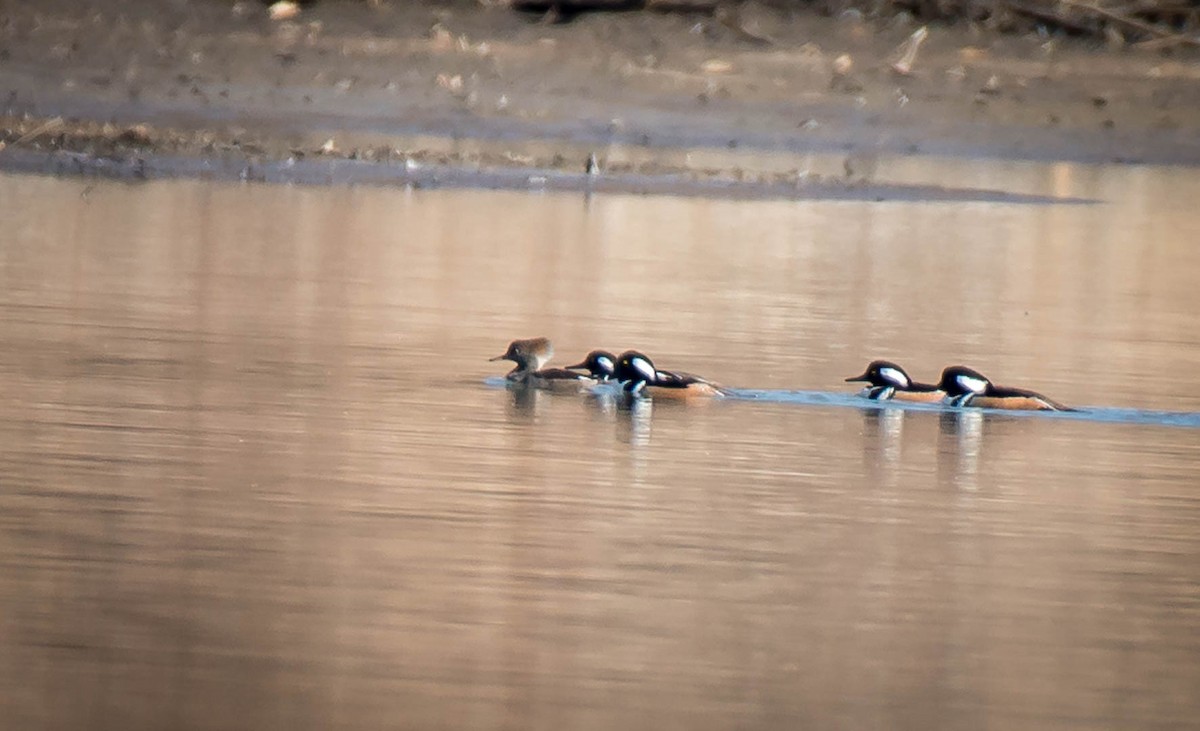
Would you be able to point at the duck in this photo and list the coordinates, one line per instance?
(531, 356)
(890, 382)
(639, 377)
(599, 364)
(965, 386)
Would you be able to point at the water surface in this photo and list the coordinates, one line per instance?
(253, 475)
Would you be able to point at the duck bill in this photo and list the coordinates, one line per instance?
(856, 379)
(498, 357)
(578, 366)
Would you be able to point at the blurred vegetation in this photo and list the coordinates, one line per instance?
(1150, 23)
(1158, 22)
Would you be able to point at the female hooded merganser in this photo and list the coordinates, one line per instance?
(890, 382)
(638, 377)
(968, 387)
(531, 355)
(600, 364)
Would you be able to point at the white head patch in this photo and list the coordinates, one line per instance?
(644, 368)
(972, 384)
(605, 362)
(895, 376)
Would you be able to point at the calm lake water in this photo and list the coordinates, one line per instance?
(252, 476)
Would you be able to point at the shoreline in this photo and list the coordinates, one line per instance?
(483, 91)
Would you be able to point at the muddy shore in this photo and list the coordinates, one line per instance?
(429, 92)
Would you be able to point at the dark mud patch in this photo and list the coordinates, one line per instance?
(137, 153)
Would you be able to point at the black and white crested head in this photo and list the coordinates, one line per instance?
(960, 381)
(635, 371)
(884, 373)
(601, 364)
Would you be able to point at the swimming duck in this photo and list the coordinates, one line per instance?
(968, 387)
(531, 355)
(600, 365)
(890, 382)
(638, 377)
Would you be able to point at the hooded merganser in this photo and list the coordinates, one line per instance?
(638, 377)
(968, 387)
(530, 355)
(600, 364)
(890, 382)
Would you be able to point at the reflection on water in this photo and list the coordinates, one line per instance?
(252, 476)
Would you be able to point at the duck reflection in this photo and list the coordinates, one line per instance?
(602, 401)
(883, 429)
(961, 445)
(634, 417)
(524, 401)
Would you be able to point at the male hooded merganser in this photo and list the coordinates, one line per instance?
(531, 355)
(600, 364)
(639, 377)
(890, 382)
(968, 387)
